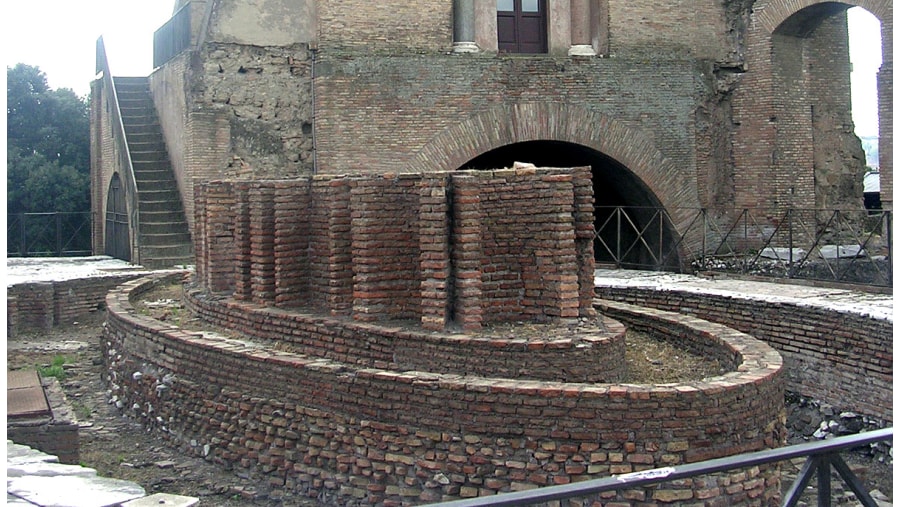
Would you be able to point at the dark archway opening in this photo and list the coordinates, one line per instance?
(633, 230)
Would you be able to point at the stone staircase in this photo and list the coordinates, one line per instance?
(165, 239)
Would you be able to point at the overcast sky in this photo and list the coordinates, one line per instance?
(59, 36)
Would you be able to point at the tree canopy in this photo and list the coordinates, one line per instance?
(48, 145)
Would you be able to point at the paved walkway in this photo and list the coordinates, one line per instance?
(879, 306)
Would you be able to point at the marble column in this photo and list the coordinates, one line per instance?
(464, 26)
(581, 29)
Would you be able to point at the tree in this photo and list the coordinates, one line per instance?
(48, 145)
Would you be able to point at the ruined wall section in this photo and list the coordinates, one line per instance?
(839, 161)
(475, 246)
(233, 110)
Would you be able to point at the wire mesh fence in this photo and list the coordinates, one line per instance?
(829, 245)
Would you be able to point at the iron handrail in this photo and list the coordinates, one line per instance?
(120, 145)
(819, 453)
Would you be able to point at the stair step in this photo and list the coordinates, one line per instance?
(154, 206)
(166, 240)
(155, 186)
(163, 216)
(149, 227)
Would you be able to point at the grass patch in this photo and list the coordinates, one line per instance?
(54, 369)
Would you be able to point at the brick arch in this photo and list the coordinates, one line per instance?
(773, 13)
(542, 121)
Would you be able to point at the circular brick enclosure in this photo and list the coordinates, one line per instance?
(359, 432)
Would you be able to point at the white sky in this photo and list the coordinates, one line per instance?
(59, 36)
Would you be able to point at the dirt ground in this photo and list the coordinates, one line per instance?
(119, 447)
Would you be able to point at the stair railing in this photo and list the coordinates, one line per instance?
(120, 146)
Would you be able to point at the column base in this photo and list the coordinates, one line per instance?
(582, 50)
(465, 47)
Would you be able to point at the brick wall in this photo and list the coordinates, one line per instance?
(341, 430)
(474, 247)
(839, 357)
(42, 305)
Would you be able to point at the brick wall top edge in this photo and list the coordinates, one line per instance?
(747, 377)
(499, 172)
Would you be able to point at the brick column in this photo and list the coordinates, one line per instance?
(555, 255)
(434, 256)
(220, 217)
(262, 243)
(338, 247)
(292, 239)
(199, 235)
(243, 285)
(580, 11)
(466, 252)
(584, 239)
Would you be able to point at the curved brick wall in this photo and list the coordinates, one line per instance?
(841, 357)
(579, 356)
(346, 433)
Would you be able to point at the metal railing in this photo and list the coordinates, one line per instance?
(833, 245)
(122, 155)
(821, 457)
(48, 234)
(173, 37)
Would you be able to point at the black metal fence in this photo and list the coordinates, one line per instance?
(821, 456)
(173, 37)
(48, 234)
(830, 245)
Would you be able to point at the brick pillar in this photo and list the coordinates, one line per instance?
(292, 239)
(434, 257)
(331, 254)
(220, 202)
(886, 132)
(555, 255)
(262, 242)
(243, 286)
(466, 252)
(584, 239)
(199, 236)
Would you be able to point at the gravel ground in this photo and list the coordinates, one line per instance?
(119, 447)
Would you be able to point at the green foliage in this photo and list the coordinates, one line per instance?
(54, 369)
(35, 184)
(48, 145)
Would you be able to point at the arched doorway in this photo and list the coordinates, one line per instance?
(117, 238)
(792, 109)
(633, 230)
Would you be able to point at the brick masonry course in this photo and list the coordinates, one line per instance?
(834, 351)
(345, 433)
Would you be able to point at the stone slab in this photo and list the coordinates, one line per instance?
(25, 396)
(72, 491)
(164, 499)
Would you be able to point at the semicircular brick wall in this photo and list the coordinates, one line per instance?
(345, 432)
(841, 357)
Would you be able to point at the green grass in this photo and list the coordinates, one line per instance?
(55, 369)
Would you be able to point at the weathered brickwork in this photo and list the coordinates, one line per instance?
(472, 247)
(346, 432)
(42, 305)
(840, 357)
